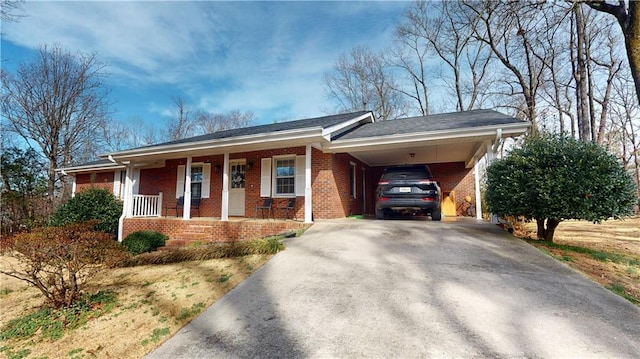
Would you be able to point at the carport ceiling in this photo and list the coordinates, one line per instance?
(453, 152)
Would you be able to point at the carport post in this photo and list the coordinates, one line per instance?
(308, 205)
(476, 178)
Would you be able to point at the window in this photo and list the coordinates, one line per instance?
(282, 176)
(285, 173)
(200, 180)
(196, 181)
(352, 179)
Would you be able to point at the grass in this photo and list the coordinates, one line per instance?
(595, 254)
(608, 253)
(135, 308)
(53, 323)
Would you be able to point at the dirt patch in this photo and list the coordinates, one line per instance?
(613, 259)
(154, 302)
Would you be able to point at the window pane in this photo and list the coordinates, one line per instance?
(196, 174)
(196, 190)
(285, 168)
(285, 185)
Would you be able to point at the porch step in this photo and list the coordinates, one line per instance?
(194, 233)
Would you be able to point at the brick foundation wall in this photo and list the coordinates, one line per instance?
(211, 230)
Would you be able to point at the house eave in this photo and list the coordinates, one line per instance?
(332, 131)
(508, 130)
(265, 140)
(90, 168)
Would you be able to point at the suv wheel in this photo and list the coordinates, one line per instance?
(436, 215)
(379, 214)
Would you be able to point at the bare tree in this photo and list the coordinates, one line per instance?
(207, 122)
(188, 122)
(446, 34)
(625, 114)
(181, 124)
(627, 12)
(58, 101)
(514, 33)
(119, 135)
(9, 10)
(361, 81)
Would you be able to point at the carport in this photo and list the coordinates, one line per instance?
(452, 144)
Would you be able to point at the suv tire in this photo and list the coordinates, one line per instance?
(436, 215)
(379, 214)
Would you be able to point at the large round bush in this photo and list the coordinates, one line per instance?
(91, 204)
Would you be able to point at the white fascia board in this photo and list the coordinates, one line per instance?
(222, 143)
(328, 132)
(91, 168)
(482, 149)
(508, 130)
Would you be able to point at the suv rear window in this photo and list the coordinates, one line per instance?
(406, 173)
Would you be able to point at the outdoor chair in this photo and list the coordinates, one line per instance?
(179, 205)
(266, 205)
(289, 207)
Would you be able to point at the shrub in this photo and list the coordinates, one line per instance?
(59, 261)
(144, 241)
(269, 245)
(92, 204)
(553, 178)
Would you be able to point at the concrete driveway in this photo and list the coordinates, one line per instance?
(411, 288)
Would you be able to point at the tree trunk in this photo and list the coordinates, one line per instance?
(580, 75)
(546, 234)
(630, 24)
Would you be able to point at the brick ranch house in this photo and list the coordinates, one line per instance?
(330, 165)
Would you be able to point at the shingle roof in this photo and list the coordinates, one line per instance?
(439, 122)
(322, 122)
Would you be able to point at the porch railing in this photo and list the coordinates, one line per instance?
(147, 205)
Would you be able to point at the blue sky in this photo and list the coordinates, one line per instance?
(265, 57)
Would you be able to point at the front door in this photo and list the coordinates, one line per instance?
(237, 170)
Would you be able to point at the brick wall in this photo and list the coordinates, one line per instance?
(209, 230)
(97, 180)
(453, 176)
(332, 196)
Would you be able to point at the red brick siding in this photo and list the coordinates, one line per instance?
(103, 180)
(208, 230)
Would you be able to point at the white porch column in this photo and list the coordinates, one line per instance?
(225, 188)
(476, 178)
(186, 211)
(490, 156)
(127, 201)
(73, 187)
(128, 190)
(308, 201)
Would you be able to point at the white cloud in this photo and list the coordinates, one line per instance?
(259, 56)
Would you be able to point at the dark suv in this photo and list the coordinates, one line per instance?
(409, 189)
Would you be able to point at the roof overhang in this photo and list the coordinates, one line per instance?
(458, 145)
(280, 139)
(94, 167)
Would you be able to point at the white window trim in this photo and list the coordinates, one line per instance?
(353, 180)
(206, 179)
(274, 182)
